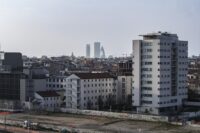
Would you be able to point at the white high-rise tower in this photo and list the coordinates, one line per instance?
(160, 63)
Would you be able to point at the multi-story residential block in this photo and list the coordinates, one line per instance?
(33, 81)
(125, 67)
(56, 82)
(91, 90)
(160, 63)
(124, 96)
(48, 100)
(27, 63)
(194, 78)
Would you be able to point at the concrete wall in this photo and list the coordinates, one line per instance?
(192, 104)
(117, 115)
(136, 73)
(190, 114)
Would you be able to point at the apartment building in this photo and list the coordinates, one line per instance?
(56, 82)
(160, 63)
(47, 100)
(91, 90)
(124, 96)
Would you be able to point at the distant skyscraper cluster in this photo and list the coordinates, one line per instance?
(102, 52)
(97, 46)
(99, 51)
(88, 51)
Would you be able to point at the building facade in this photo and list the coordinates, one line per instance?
(11, 67)
(56, 82)
(160, 63)
(124, 96)
(47, 100)
(125, 67)
(91, 91)
(11, 61)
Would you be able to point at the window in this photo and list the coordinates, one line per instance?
(146, 69)
(123, 85)
(146, 102)
(146, 56)
(146, 88)
(146, 82)
(146, 95)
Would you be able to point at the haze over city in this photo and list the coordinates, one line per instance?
(60, 27)
(82, 66)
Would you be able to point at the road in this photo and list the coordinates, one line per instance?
(19, 130)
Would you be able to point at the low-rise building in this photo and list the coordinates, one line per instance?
(47, 100)
(91, 91)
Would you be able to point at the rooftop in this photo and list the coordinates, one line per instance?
(158, 35)
(48, 93)
(94, 75)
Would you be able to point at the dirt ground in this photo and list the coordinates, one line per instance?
(94, 124)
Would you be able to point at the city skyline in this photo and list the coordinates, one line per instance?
(60, 28)
(100, 66)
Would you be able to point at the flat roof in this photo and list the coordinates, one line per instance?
(94, 75)
(48, 93)
(155, 34)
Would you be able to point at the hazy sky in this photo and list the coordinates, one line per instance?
(58, 27)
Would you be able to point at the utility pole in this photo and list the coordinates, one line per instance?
(5, 115)
(5, 121)
(29, 114)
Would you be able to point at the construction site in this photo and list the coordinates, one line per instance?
(63, 122)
